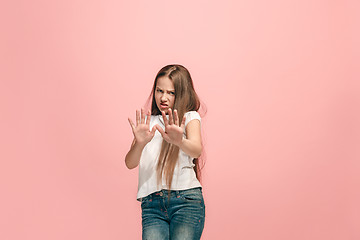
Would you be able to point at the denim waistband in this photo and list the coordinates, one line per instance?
(165, 193)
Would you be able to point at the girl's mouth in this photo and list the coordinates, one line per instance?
(163, 105)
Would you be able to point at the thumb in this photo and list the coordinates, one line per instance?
(131, 123)
(162, 132)
(153, 131)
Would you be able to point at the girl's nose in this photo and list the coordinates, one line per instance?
(163, 97)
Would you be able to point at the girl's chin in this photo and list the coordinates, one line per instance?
(165, 109)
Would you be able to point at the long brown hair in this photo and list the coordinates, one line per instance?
(186, 100)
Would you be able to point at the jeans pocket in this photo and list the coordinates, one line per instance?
(192, 195)
(145, 202)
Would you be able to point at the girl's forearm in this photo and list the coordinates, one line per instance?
(132, 158)
(191, 148)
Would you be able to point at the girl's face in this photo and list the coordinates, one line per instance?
(164, 94)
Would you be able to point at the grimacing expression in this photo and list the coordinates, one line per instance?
(164, 94)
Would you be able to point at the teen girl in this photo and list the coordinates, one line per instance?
(166, 147)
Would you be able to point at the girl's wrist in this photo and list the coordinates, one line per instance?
(140, 144)
(181, 143)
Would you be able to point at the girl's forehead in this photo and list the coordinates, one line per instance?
(164, 82)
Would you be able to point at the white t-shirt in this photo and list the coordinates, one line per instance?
(184, 175)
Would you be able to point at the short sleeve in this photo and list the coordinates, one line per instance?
(191, 116)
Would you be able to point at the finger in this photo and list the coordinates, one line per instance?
(162, 132)
(137, 117)
(142, 116)
(148, 117)
(171, 119)
(131, 123)
(176, 117)
(183, 122)
(164, 118)
(153, 131)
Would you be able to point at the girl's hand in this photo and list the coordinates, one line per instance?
(173, 130)
(141, 131)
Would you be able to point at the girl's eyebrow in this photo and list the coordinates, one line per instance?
(171, 90)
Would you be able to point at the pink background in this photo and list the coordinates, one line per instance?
(280, 80)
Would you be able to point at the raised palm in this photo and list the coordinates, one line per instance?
(173, 129)
(141, 130)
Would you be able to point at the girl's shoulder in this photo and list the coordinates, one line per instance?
(191, 115)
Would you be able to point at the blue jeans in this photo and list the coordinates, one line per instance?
(182, 217)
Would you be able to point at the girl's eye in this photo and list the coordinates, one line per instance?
(172, 93)
(158, 90)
